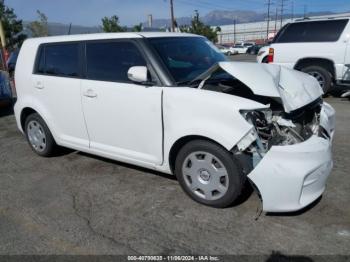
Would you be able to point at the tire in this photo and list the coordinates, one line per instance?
(229, 53)
(209, 174)
(322, 75)
(39, 136)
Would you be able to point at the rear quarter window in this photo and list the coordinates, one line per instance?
(313, 31)
(58, 60)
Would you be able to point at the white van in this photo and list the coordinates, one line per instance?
(174, 103)
(319, 47)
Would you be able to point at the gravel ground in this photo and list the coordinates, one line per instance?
(77, 203)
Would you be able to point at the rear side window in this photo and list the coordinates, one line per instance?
(314, 31)
(59, 60)
(110, 61)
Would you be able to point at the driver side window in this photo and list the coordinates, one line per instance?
(110, 61)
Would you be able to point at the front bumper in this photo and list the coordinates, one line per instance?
(291, 177)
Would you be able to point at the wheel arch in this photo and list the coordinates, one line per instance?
(176, 147)
(30, 109)
(326, 63)
(24, 114)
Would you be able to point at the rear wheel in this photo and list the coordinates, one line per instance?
(209, 174)
(39, 136)
(323, 77)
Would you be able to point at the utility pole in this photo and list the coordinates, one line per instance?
(276, 16)
(268, 19)
(305, 10)
(234, 31)
(172, 16)
(282, 5)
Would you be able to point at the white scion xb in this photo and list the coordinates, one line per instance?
(173, 103)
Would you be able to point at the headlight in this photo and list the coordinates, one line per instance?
(260, 119)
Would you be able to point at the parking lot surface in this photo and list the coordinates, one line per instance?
(77, 203)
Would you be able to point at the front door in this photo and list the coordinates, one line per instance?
(124, 119)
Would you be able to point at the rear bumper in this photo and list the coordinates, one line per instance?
(291, 177)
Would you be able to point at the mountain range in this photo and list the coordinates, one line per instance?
(221, 17)
(213, 18)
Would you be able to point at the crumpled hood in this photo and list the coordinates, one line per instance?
(296, 89)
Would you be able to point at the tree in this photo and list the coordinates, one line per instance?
(12, 27)
(111, 24)
(199, 28)
(39, 27)
(137, 28)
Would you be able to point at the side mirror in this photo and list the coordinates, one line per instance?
(138, 74)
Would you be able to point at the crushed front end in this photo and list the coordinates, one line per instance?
(290, 154)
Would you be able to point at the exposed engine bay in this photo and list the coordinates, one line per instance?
(272, 126)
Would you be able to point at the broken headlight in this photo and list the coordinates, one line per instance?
(273, 129)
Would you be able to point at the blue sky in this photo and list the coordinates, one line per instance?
(130, 12)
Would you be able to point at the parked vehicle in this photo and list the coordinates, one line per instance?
(320, 48)
(226, 50)
(11, 62)
(5, 90)
(239, 49)
(254, 49)
(173, 102)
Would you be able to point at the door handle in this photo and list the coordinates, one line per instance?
(90, 93)
(39, 85)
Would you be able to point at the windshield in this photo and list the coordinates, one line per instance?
(186, 57)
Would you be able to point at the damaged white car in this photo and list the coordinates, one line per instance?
(173, 103)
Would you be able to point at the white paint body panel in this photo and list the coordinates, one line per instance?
(124, 120)
(295, 89)
(139, 125)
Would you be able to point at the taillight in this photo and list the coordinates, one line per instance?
(270, 55)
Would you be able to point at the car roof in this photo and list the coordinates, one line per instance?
(101, 36)
(303, 20)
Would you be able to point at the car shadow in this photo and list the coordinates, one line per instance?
(245, 194)
(6, 110)
(126, 165)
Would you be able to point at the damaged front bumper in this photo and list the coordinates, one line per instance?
(290, 177)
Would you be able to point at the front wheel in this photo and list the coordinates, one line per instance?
(209, 174)
(323, 77)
